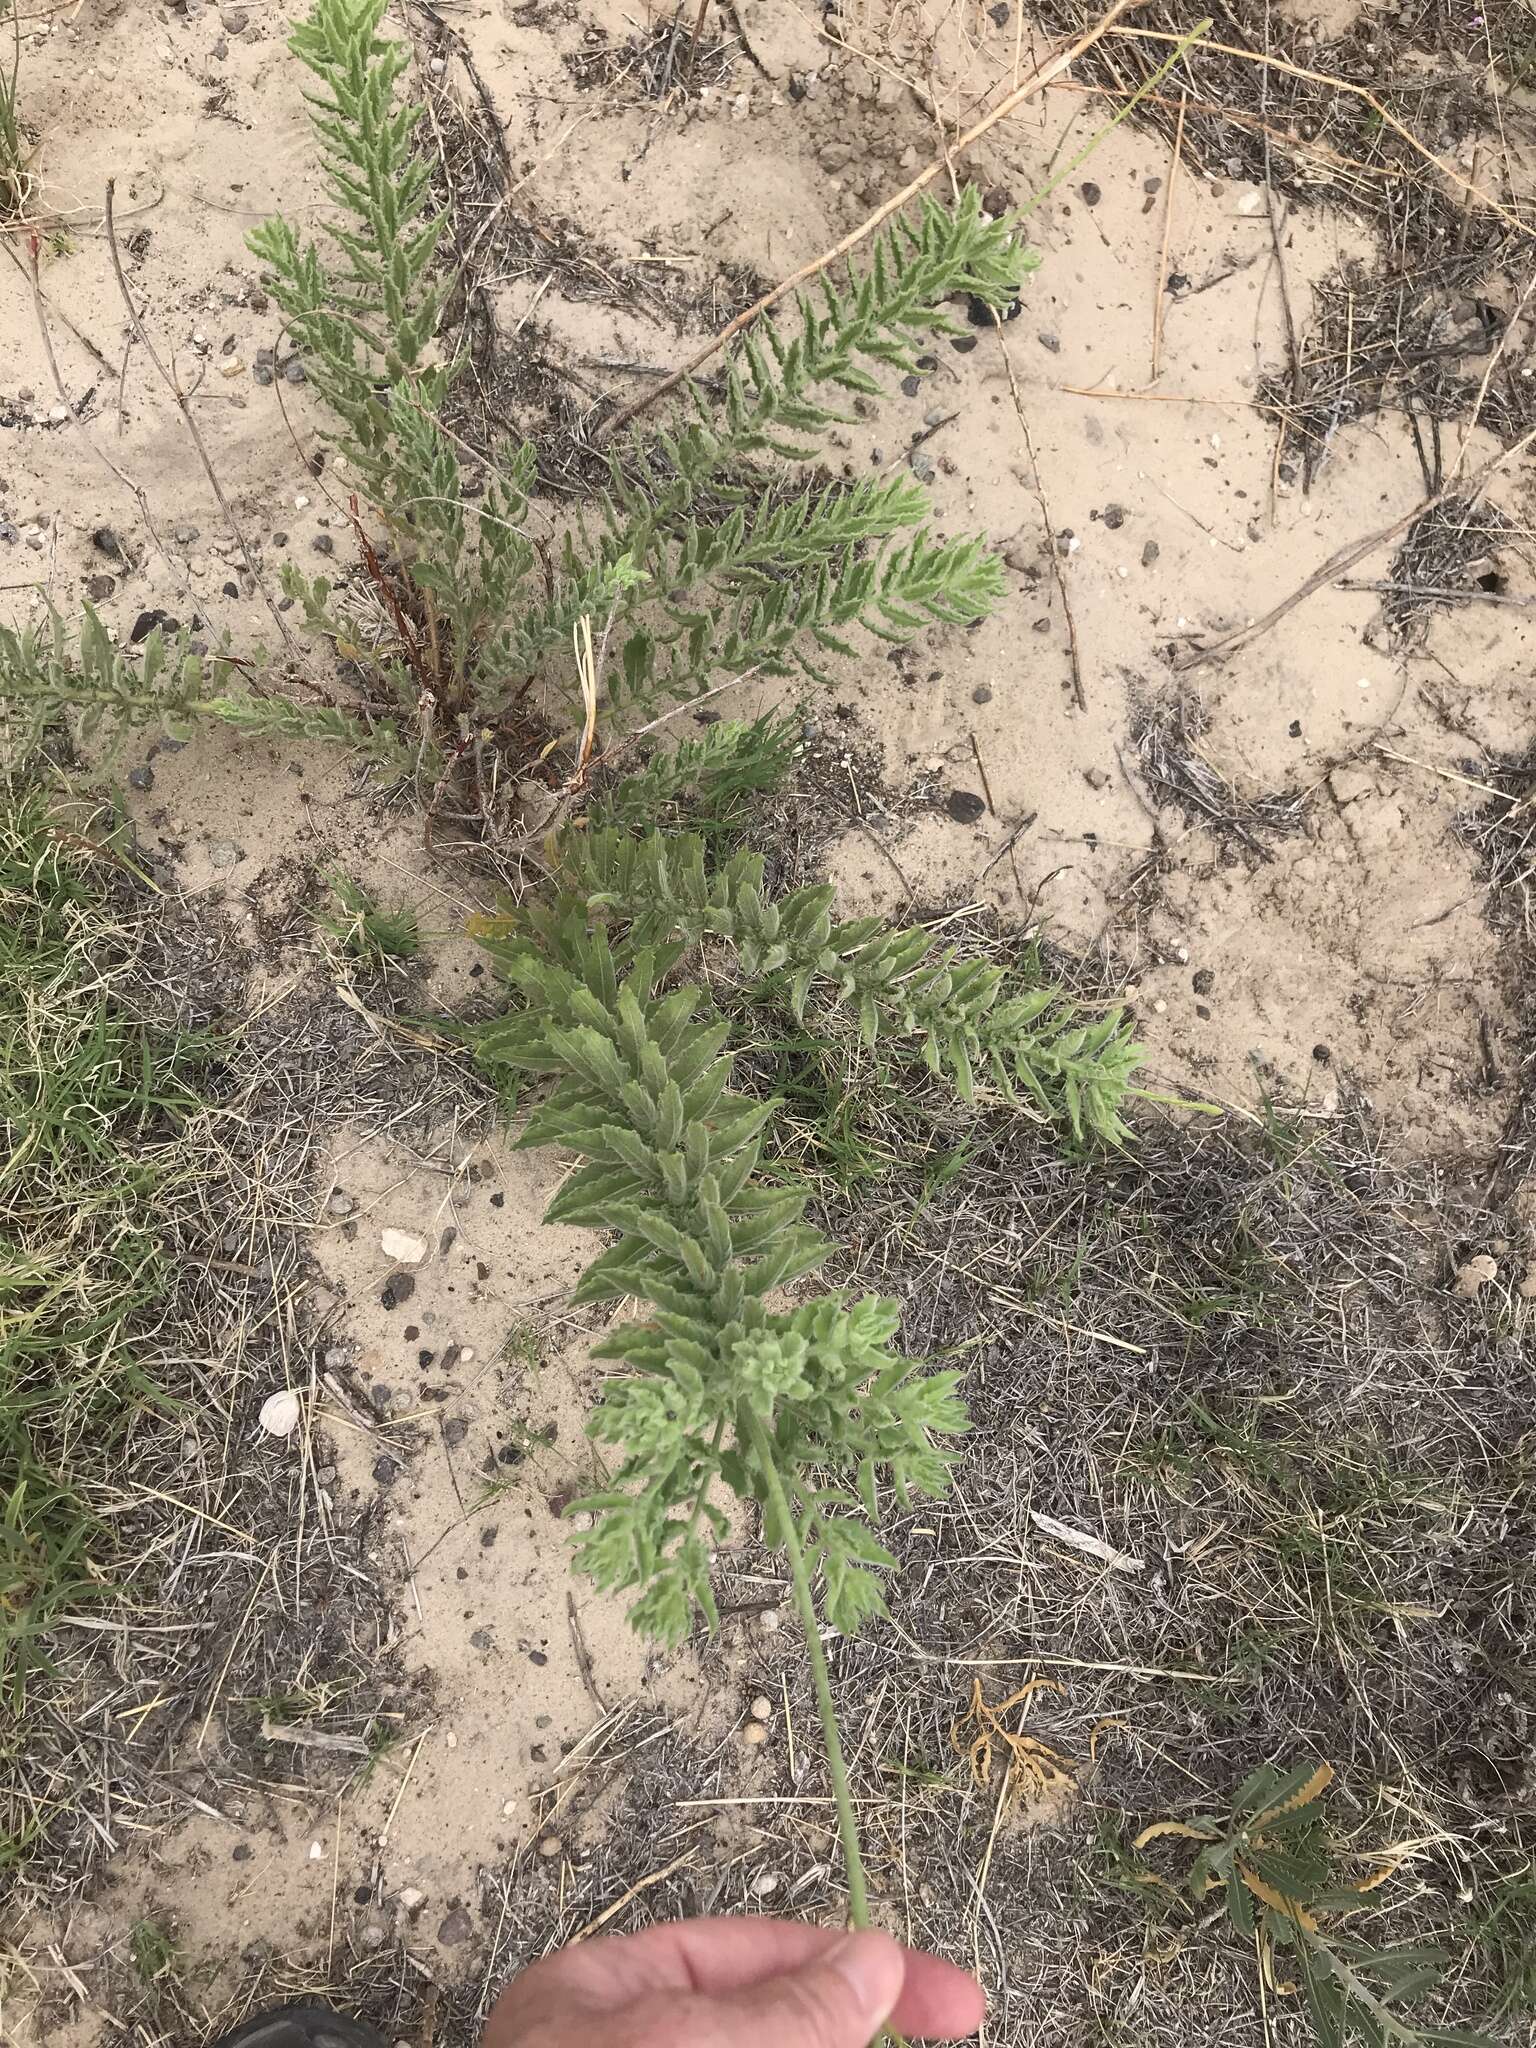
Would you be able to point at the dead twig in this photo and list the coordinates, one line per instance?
(1162, 261)
(248, 555)
(1344, 559)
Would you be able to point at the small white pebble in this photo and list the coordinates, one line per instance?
(1364, 683)
(410, 1898)
(437, 67)
(1160, 1006)
(754, 1733)
(765, 1886)
(769, 1622)
(762, 1707)
(508, 1808)
(452, 1739)
(58, 414)
(1181, 954)
(580, 1522)
(199, 339)
(301, 502)
(549, 1845)
(316, 1853)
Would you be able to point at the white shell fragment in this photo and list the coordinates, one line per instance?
(280, 1412)
(403, 1246)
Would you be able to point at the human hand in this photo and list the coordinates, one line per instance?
(747, 1983)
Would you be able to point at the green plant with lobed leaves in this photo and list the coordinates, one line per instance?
(1270, 1860)
(962, 1016)
(804, 1409)
(700, 565)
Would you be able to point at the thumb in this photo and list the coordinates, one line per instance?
(841, 2000)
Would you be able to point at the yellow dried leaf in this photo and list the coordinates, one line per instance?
(1103, 1727)
(1319, 1781)
(1377, 1877)
(1181, 1828)
(484, 924)
(1268, 1896)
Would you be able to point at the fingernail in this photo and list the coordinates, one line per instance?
(872, 1966)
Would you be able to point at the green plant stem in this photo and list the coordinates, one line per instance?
(805, 1605)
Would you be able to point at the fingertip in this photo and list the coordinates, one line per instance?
(874, 1967)
(939, 2001)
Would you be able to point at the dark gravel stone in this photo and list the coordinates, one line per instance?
(964, 806)
(385, 1471)
(962, 344)
(1203, 981)
(1091, 193)
(1149, 554)
(1048, 340)
(146, 623)
(141, 778)
(323, 544)
(397, 1288)
(294, 372)
(979, 313)
(100, 588)
(1114, 517)
(982, 694)
(106, 542)
(456, 1929)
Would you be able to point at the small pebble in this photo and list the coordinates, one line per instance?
(768, 1621)
(549, 1845)
(106, 542)
(1203, 982)
(964, 806)
(141, 778)
(1091, 193)
(294, 372)
(765, 1886)
(323, 544)
(982, 694)
(754, 1733)
(921, 464)
(762, 1707)
(339, 1203)
(456, 1928)
(1113, 517)
(223, 853)
(100, 588)
(1149, 554)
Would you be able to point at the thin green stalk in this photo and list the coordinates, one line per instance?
(805, 1605)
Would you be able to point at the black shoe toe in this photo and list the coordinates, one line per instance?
(301, 2026)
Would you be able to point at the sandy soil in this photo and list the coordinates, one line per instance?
(1351, 952)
